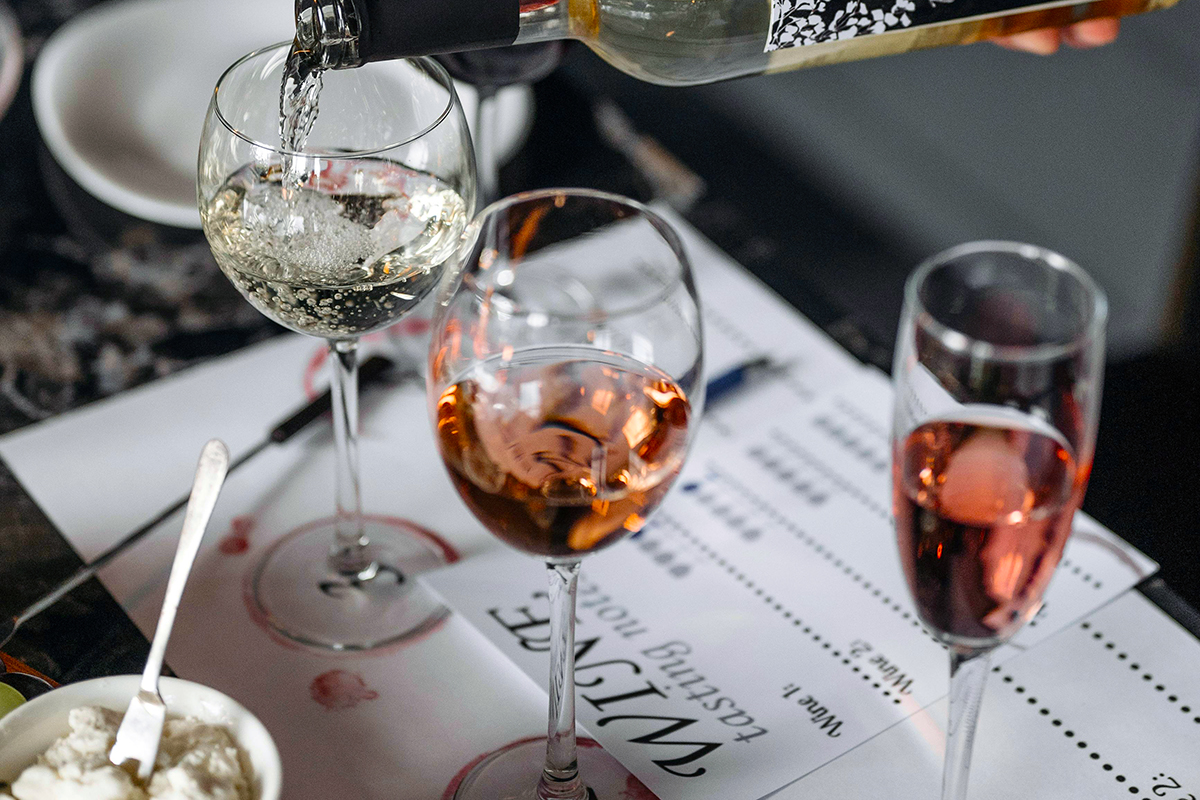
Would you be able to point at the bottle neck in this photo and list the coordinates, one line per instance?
(332, 29)
(349, 33)
(544, 21)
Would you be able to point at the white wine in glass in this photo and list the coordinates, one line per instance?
(333, 202)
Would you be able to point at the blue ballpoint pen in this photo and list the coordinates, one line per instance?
(728, 382)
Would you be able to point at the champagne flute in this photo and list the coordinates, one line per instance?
(998, 376)
(335, 224)
(565, 387)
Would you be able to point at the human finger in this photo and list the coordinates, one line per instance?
(1092, 32)
(1043, 42)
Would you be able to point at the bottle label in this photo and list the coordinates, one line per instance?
(803, 22)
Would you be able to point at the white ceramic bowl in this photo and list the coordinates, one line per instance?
(26, 732)
(120, 94)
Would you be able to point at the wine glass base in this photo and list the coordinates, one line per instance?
(296, 594)
(512, 772)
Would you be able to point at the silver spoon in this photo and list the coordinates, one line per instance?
(141, 729)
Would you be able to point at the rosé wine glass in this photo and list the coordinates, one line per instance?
(565, 387)
(998, 373)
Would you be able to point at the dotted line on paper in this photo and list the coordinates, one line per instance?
(796, 449)
(739, 524)
(799, 387)
(1067, 566)
(758, 591)
(726, 326)
(806, 487)
(664, 558)
(1134, 666)
(861, 417)
(851, 443)
(1044, 711)
(712, 421)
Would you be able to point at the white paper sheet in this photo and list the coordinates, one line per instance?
(1074, 717)
(772, 572)
(403, 721)
(412, 716)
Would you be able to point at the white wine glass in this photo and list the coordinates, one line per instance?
(565, 388)
(335, 239)
(998, 375)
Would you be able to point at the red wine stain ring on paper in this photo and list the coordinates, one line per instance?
(634, 789)
(449, 554)
(339, 689)
(237, 541)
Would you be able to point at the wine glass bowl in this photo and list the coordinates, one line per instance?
(998, 374)
(332, 201)
(565, 387)
(552, 476)
(585, 298)
(386, 193)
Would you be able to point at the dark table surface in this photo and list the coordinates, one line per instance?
(93, 303)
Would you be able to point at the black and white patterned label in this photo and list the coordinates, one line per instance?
(799, 22)
(803, 22)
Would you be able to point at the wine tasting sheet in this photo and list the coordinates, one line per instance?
(761, 616)
(755, 638)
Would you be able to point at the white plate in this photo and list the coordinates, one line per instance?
(120, 94)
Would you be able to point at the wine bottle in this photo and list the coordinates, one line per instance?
(681, 42)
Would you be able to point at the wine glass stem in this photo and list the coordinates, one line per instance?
(968, 672)
(560, 777)
(349, 554)
(487, 162)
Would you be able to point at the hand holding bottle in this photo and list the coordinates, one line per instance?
(1081, 35)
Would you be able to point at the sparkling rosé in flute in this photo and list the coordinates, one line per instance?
(983, 511)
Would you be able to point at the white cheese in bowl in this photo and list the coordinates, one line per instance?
(196, 761)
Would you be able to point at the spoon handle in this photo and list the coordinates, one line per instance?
(210, 474)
